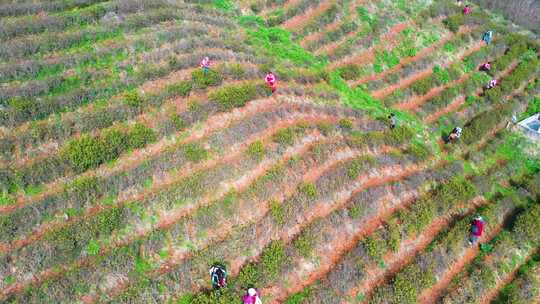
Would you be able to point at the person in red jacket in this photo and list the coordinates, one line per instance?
(271, 81)
(477, 228)
(251, 297)
(467, 10)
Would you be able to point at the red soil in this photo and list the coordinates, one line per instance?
(416, 101)
(433, 293)
(417, 76)
(167, 179)
(342, 244)
(310, 176)
(408, 250)
(389, 39)
(165, 220)
(214, 123)
(492, 294)
(456, 103)
(298, 21)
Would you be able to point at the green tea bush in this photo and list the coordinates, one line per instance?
(195, 152)
(234, 96)
(374, 246)
(346, 124)
(249, 275)
(256, 149)
(178, 122)
(201, 80)
(350, 71)
(454, 22)
(527, 226)
(83, 189)
(308, 189)
(418, 151)
(139, 136)
(284, 136)
(273, 259)
(277, 211)
(182, 88)
(114, 141)
(304, 244)
(133, 99)
(84, 153)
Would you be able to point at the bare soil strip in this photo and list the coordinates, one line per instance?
(310, 176)
(298, 21)
(165, 220)
(343, 243)
(167, 180)
(409, 249)
(456, 103)
(388, 38)
(432, 294)
(416, 101)
(216, 122)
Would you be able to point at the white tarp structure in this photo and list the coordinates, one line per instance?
(531, 126)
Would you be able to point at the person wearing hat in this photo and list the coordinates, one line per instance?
(477, 228)
(251, 297)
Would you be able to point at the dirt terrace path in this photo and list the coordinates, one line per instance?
(299, 21)
(219, 234)
(432, 294)
(310, 176)
(389, 38)
(456, 103)
(284, 6)
(167, 179)
(165, 220)
(416, 101)
(489, 296)
(420, 55)
(409, 249)
(334, 252)
(212, 124)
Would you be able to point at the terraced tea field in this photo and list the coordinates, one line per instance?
(126, 171)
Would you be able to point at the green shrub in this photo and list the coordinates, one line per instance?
(234, 96)
(133, 99)
(84, 153)
(84, 188)
(256, 149)
(277, 211)
(273, 259)
(357, 165)
(178, 122)
(399, 135)
(114, 141)
(201, 80)
(195, 153)
(304, 244)
(350, 71)
(181, 88)
(346, 124)
(374, 247)
(418, 151)
(527, 226)
(284, 136)
(300, 297)
(309, 190)
(139, 136)
(249, 275)
(421, 87)
(454, 22)
(355, 212)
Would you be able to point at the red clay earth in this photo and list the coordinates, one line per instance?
(344, 243)
(310, 176)
(423, 53)
(432, 294)
(408, 250)
(456, 103)
(389, 38)
(164, 221)
(298, 21)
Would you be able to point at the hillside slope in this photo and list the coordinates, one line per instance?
(126, 170)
